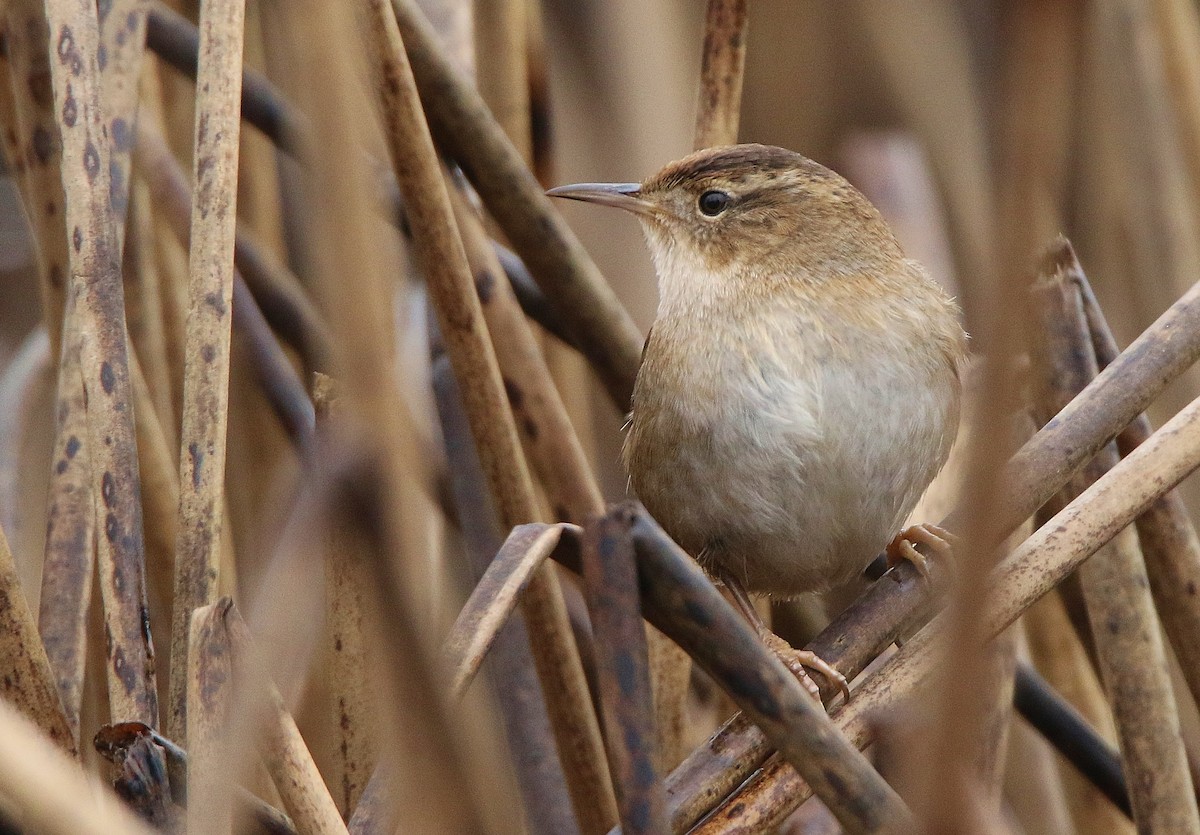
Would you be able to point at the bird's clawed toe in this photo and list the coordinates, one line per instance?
(903, 547)
(796, 660)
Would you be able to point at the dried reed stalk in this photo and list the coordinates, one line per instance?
(210, 702)
(1115, 587)
(503, 75)
(466, 130)
(721, 71)
(1177, 24)
(96, 285)
(289, 308)
(494, 598)
(207, 342)
(28, 680)
(37, 155)
(1168, 538)
(452, 289)
(70, 527)
(304, 793)
(77, 805)
(611, 583)
(1060, 657)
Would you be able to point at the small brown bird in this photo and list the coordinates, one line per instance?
(799, 388)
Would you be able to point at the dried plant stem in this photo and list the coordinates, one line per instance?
(206, 358)
(70, 513)
(28, 680)
(69, 556)
(681, 601)
(210, 702)
(721, 70)
(610, 577)
(96, 283)
(465, 129)
(37, 157)
(1115, 587)
(1177, 27)
(1168, 538)
(452, 289)
(503, 74)
(495, 597)
(305, 795)
(78, 805)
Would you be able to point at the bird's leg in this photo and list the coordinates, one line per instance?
(794, 659)
(903, 547)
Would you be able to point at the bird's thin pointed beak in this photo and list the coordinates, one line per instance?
(627, 196)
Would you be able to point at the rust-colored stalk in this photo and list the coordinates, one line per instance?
(206, 359)
(452, 289)
(719, 104)
(96, 284)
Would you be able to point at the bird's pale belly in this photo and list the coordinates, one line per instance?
(791, 487)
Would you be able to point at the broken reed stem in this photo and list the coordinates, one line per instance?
(305, 795)
(466, 130)
(495, 597)
(210, 699)
(440, 252)
(53, 794)
(96, 283)
(681, 601)
(1168, 538)
(719, 104)
(1116, 591)
(207, 342)
(28, 681)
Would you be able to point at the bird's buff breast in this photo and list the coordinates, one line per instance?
(790, 471)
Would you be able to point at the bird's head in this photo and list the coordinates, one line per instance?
(751, 212)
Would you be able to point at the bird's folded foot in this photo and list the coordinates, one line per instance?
(903, 547)
(797, 659)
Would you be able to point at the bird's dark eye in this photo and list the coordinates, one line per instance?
(712, 203)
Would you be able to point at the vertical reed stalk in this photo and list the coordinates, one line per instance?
(207, 344)
(211, 699)
(96, 286)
